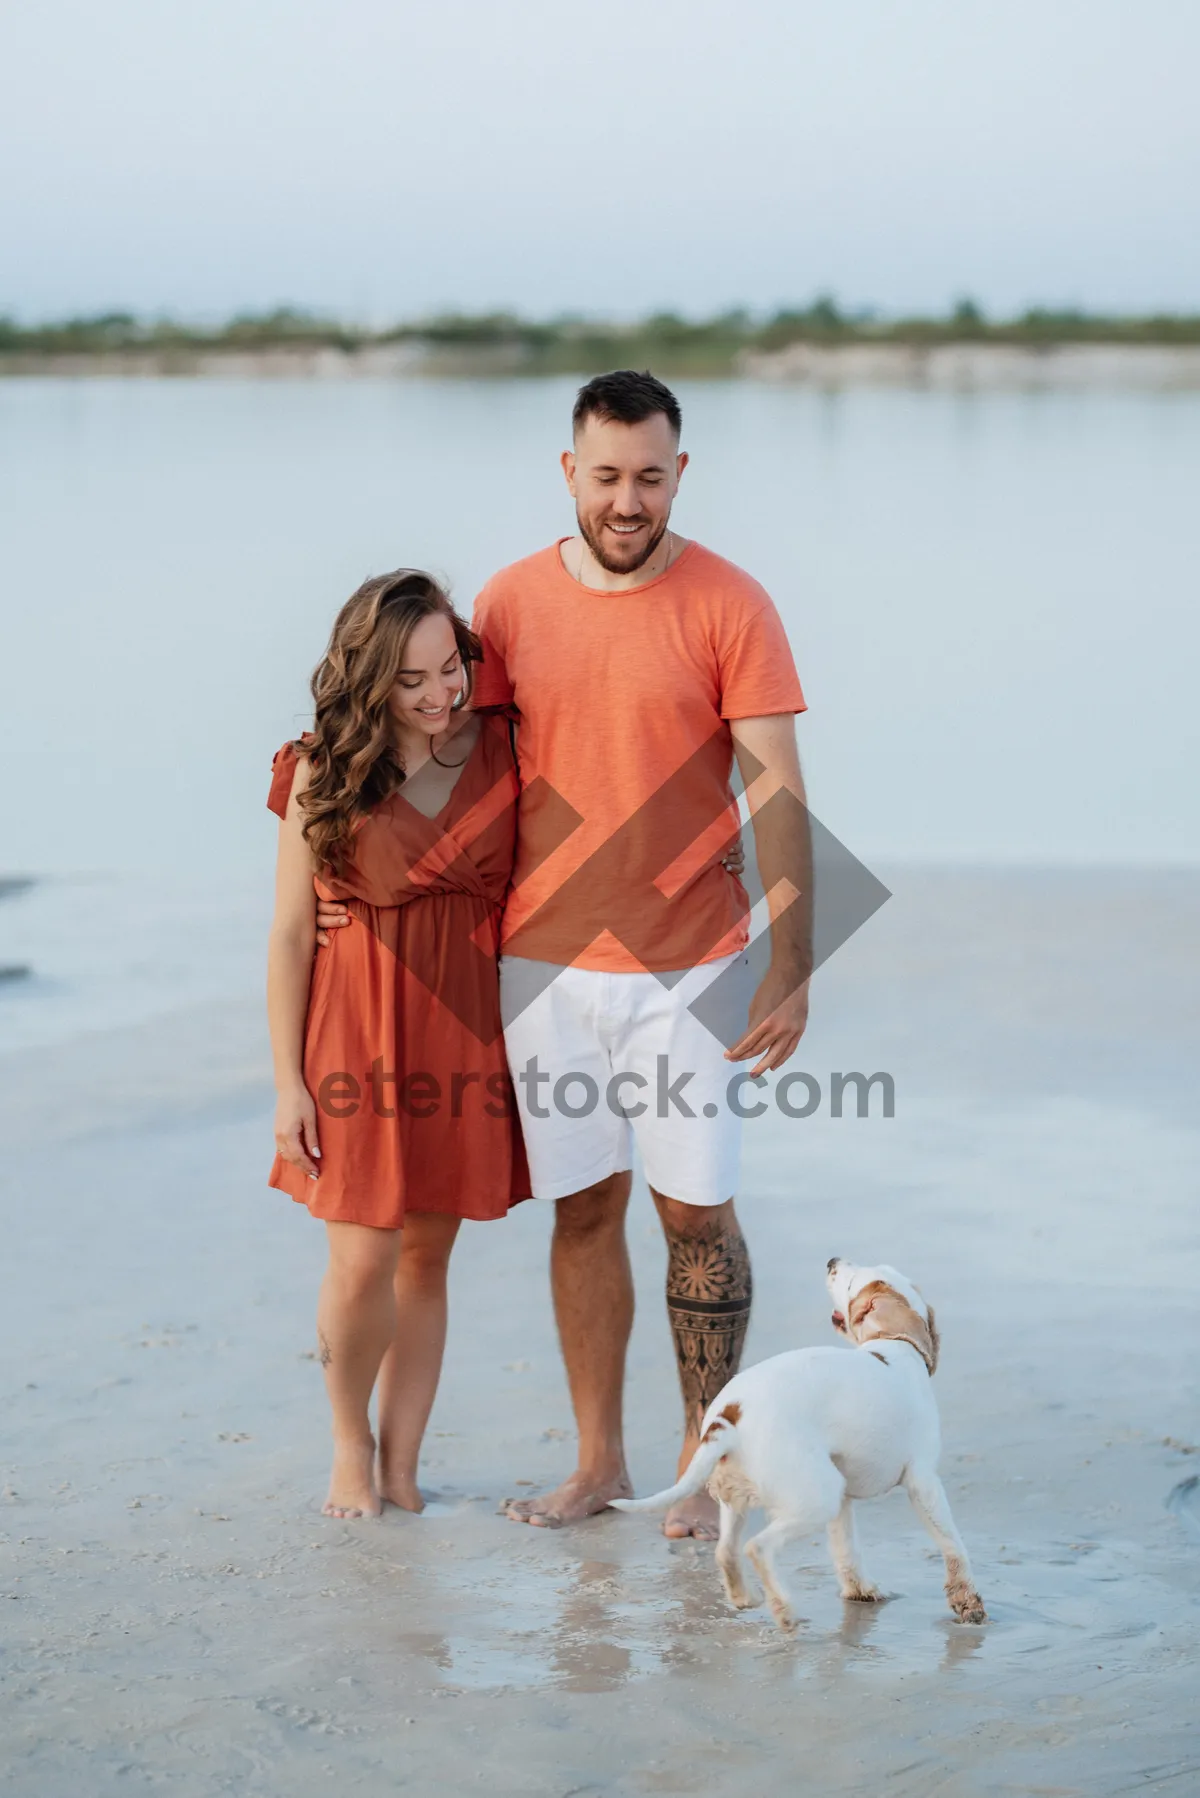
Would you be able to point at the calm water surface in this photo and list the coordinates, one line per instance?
(992, 601)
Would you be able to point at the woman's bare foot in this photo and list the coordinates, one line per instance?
(352, 1491)
(397, 1486)
(696, 1516)
(580, 1496)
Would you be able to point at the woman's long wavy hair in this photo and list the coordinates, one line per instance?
(353, 762)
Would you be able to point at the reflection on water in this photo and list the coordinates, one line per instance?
(557, 1617)
(1184, 1501)
(591, 1624)
(13, 970)
(590, 1646)
(859, 1621)
(963, 1643)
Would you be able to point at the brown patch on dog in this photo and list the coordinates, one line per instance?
(731, 1414)
(879, 1310)
(880, 1357)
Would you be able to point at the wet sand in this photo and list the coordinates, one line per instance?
(175, 1614)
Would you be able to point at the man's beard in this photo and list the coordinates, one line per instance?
(605, 560)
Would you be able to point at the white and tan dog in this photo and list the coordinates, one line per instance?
(805, 1434)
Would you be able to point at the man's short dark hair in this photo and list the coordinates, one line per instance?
(626, 397)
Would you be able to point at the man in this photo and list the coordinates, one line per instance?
(638, 664)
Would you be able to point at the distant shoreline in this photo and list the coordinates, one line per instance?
(816, 346)
(961, 367)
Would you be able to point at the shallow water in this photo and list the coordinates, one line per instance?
(180, 1613)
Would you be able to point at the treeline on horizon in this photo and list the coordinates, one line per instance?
(568, 344)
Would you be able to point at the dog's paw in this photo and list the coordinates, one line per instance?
(864, 1594)
(966, 1604)
(784, 1616)
(743, 1599)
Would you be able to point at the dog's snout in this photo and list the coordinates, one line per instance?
(832, 1263)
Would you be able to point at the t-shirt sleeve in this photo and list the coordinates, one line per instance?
(757, 669)
(492, 685)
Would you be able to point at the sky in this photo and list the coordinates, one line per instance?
(383, 159)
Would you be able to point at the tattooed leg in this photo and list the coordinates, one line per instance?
(708, 1303)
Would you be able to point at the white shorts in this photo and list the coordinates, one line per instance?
(601, 1061)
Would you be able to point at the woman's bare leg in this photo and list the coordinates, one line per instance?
(356, 1316)
(411, 1367)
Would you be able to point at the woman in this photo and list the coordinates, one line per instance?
(395, 1117)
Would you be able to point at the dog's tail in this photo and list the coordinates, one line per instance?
(719, 1439)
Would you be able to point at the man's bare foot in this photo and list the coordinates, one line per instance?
(352, 1491)
(580, 1496)
(696, 1516)
(399, 1487)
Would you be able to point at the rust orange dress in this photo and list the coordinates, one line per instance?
(403, 1051)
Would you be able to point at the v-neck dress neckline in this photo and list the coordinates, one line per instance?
(464, 768)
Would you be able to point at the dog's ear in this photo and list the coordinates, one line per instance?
(935, 1341)
(879, 1310)
(863, 1303)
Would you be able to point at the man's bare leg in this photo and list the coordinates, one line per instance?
(593, 1305)
(708, 1303)
(408, 1378)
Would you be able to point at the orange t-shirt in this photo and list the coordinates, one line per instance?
(626, 755)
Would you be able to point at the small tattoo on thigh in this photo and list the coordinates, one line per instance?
(326, 1353)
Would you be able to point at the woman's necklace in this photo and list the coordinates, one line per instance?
(433, 754)
(448, 737)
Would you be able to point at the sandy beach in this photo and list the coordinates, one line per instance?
(962, 367)
(176, 1613)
